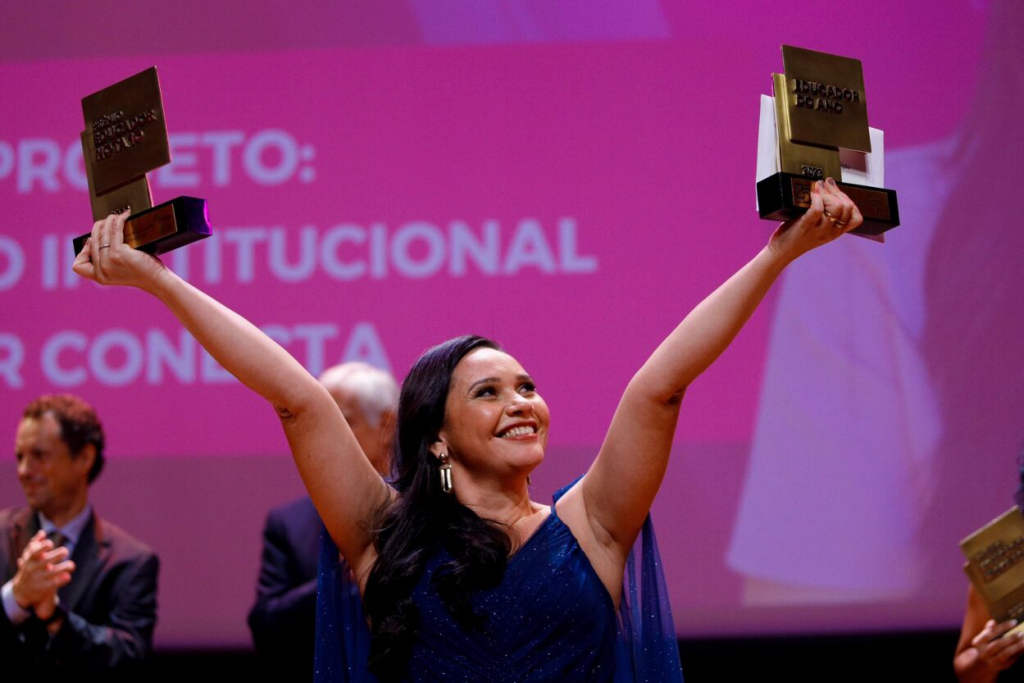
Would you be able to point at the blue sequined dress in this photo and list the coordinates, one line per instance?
(550, 619)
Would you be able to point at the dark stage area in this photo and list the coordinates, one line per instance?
(900, 656)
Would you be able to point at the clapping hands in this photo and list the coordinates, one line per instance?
(42, 569)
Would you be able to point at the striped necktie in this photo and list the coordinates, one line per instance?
(57, 537)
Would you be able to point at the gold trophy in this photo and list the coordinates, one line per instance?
(821, 121)
(995, 565)
(125, 137)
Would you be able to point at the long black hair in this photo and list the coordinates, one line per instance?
(422, 519)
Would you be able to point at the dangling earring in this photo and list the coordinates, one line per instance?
(446, 473)
(528, 480)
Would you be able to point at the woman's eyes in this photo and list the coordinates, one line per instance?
(524, 388)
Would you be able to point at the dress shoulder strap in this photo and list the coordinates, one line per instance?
(561, 492)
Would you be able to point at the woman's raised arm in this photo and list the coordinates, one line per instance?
(343, 485)
(620, 486)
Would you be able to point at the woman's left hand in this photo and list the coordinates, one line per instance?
(831, 215)
(106, 258)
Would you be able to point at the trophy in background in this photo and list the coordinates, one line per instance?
(995, 565)
(816, 127)
(125, 137)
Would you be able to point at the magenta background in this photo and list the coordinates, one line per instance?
(636, 119)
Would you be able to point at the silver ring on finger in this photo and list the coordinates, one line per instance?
(841, 224)
(104, 246)
(830, 216)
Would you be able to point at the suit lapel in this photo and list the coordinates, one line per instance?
(23, 527)
(89, 556)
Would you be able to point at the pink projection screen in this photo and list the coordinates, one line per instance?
(570, 181)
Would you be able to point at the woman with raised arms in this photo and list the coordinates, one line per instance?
(462, 576)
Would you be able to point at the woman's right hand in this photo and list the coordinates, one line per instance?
(106, 259)
(831, 215)
(996, 649)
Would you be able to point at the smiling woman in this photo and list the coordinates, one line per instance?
(471, 428)
(495, 421)
(462, 575)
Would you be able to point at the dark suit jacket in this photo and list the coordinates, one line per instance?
(110, 603)
(283, 620)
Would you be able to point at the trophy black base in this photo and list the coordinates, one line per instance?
(784, 196)
(170, 225)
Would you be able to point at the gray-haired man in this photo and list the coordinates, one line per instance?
(283, 619)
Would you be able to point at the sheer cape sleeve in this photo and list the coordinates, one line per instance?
(647, 646)
(342, 636)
